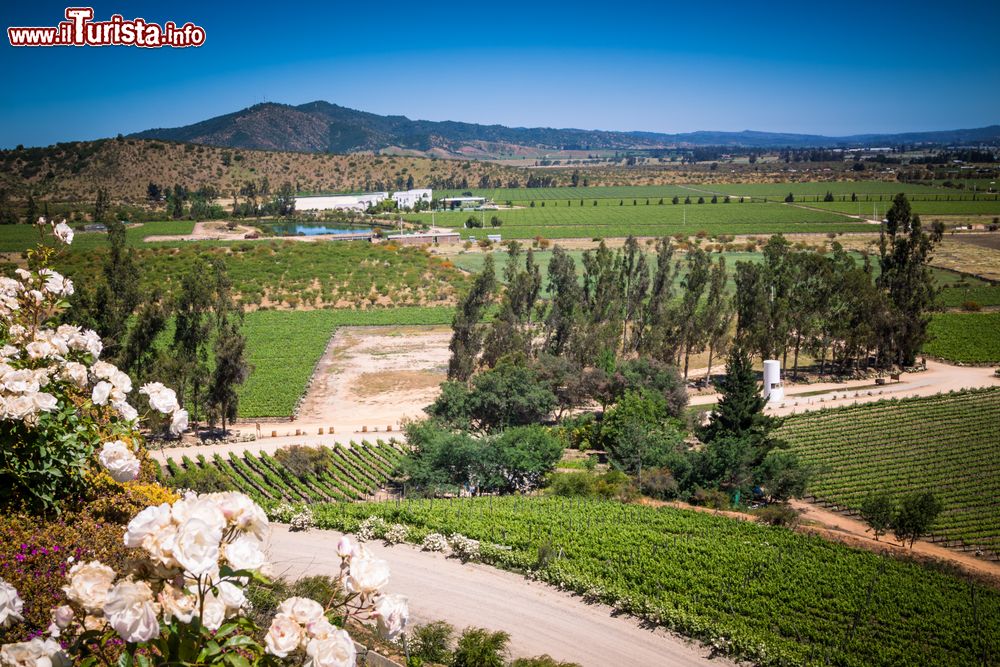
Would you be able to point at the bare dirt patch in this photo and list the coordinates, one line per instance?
(372, 384)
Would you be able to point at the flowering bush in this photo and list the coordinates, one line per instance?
(302, 520)
(397, 534)
(372, 528)
(181, 600)
(464, 547)
(434, 542)
(61, 407)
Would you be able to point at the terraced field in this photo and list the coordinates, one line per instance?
(349, 473)
(946, 444)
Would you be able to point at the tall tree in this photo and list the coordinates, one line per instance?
(192, 333)
(659, 330)
(119, 295)
(635, 287)
(102, 205)
(231, 370)
(467, 337)
(565, 296)
(693, 285)
(904, 251)
(717, 314)
(30, 210)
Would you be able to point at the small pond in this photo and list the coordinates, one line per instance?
(296, 229)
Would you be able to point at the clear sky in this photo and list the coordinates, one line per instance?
(827, 68)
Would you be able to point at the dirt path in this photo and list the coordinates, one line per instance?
(837, 523)
(938, 378)
(539, 618)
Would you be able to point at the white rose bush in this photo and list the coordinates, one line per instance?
(62, 409)
(183, 601)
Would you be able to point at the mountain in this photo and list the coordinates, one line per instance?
(322, 127)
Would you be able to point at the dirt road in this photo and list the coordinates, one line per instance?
(539, 618)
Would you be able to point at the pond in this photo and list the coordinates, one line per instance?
(295, 229)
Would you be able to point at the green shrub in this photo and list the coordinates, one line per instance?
(713, 498)
(778, 514)
(659, 483)
(301, 461)
(478, 647)
(572, 484)
(206, 479)
(432, 642)
(541, 661)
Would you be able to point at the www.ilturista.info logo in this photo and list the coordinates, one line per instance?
(79, 29)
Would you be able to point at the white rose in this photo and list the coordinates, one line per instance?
(63, 232)
(101, 392)
(121, 381)
(161, 398)
(160, 545)
(56, 284)
(283, 637)
(89, 584)
(102, 370)
(213, 613)
(320, 629)
(393, 613)
(62, 616)
(119, 460)
(44, 402)
(92, 343)
(336, 651)
(193, 506)
(345, 547)
(149, 520)
(244, 553)
(197, 546)
(35, 653)
(177, 604)
(231, 596)
(301, 610)
(19, 407)
(132, 612)
(11, 604)
(127, 412)
(40, 349)
(367, 575)
(178, 422)
(242, 512)
(75, 372)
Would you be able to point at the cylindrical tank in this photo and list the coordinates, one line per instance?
(773, 388)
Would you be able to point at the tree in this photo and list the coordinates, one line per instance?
(637, 432)
(231, 371)
(675, 200)
(904, 254)
(30, 210)
(466, 339)
(916, 514)
(495, 221)
(177, 211)
(565, 297)
(409, 182)
(790, 198)
(693, 284)
(878, 511)
(118, 297)
(511, 394)
(781, 475)
(472, 222)
(192, 332)
(102, 205)
(153, 192)
(740, 410)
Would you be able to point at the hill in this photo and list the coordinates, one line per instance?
(74, 171)
(322, 127)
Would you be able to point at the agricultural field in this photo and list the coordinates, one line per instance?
(342, 472)
(971, 338)
(766, 594)
(284, 346)
(981, 206)
(296, 275)
(946, 444)
(609, 219)
(18, 238)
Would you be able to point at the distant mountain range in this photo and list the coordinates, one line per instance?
(322, 127)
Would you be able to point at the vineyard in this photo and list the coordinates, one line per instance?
(945, 444)
(648, 217)
(339, 473)
(766, 594)
(971, 338)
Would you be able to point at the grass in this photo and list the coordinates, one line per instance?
(18, 238)
(972, 338)
(944, 444)
(981, 206)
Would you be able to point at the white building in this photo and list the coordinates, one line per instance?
(358, 202)
(409, 198)
(774, 389)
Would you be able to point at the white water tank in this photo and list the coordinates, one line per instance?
(774, 391)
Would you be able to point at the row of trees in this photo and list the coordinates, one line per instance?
(835, 308)
(203, 357)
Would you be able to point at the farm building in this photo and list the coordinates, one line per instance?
(434, 236)
(462, 202)
(409, 198)
(358, 202)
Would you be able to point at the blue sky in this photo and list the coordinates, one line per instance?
(826, 68)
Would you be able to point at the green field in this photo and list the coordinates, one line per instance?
(283, 348)
(967, 207)
(944, 444)
(769, 595)
(348, 473)
(609, 219)
(972, 338)
(294, 274)
(17, 238)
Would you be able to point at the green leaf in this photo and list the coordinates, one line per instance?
(239, 640)
(236, 660)
(225, 630)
